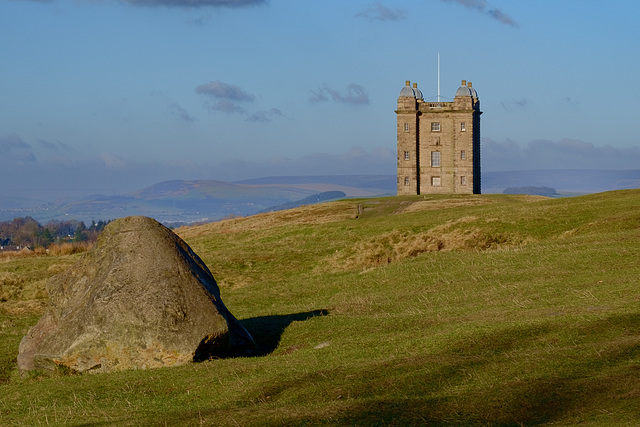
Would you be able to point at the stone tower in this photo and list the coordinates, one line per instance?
(438, 142)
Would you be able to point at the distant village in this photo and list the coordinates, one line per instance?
(26, 232)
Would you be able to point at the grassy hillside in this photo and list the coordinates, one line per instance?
(463, 310)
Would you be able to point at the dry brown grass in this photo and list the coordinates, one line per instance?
(24, 252)
(336, 211)
(21, 308)
(69, 248)
(313, 214)
(430, 205)
(54, 250)
(11, 285)
(463, 234)
(18, 295)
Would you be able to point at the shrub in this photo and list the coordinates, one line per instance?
(69, 248)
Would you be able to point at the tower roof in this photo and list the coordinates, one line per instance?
(466, 89)
(411, 92)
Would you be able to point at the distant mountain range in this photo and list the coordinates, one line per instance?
(180, 201)
(207, 200)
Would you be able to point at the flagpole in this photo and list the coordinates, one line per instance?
(438, 76)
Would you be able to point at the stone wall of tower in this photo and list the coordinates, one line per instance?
(477, 175)
(447, 129)
(408, 146)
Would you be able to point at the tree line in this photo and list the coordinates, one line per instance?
(27, 232)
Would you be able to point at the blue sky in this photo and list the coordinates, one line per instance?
(110, 96)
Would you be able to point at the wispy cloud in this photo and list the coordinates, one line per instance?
(225, 106)
(176, 110)
(15, 151)
(318, 96)
(570, 101)
(195, 3)
(515, 104)
(484, 7)
(379, 12)
(226, 96)
(564, 154)
(355, 94)
(187, 4)
(54, 146)
(222, 90)
(112, 161)
(266, 116)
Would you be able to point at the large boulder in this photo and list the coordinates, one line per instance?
(140, 298)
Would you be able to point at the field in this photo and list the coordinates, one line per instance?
(442, 310)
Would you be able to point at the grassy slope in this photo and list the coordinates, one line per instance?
(466, 310)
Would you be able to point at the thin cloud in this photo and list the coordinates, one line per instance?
(379, 12)
(226, 96)
(12, 142)
(112, 161)
(176, 110)
(199, 21)
(14, 150)
(515, 104)
(355, 94)
(318, 96)
(195, 3)
(570, 101)
(484, 7)
(545, 154)
(222, 90)
(225, 106)
(54, 146)
(502, 17)
(266, 116)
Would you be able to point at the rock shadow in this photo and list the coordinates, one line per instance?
(267, 330)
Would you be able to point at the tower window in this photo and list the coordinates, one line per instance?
(463, 126)
(406, 127)
(435, 126)
(435, 159)
(406, 155)
(436, 181)
(463, 180)
(406, 180)
(463, 155)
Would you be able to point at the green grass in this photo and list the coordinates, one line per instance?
(458, 310)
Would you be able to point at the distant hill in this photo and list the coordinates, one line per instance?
(184, 201)
(352, 185)
(311, 200)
